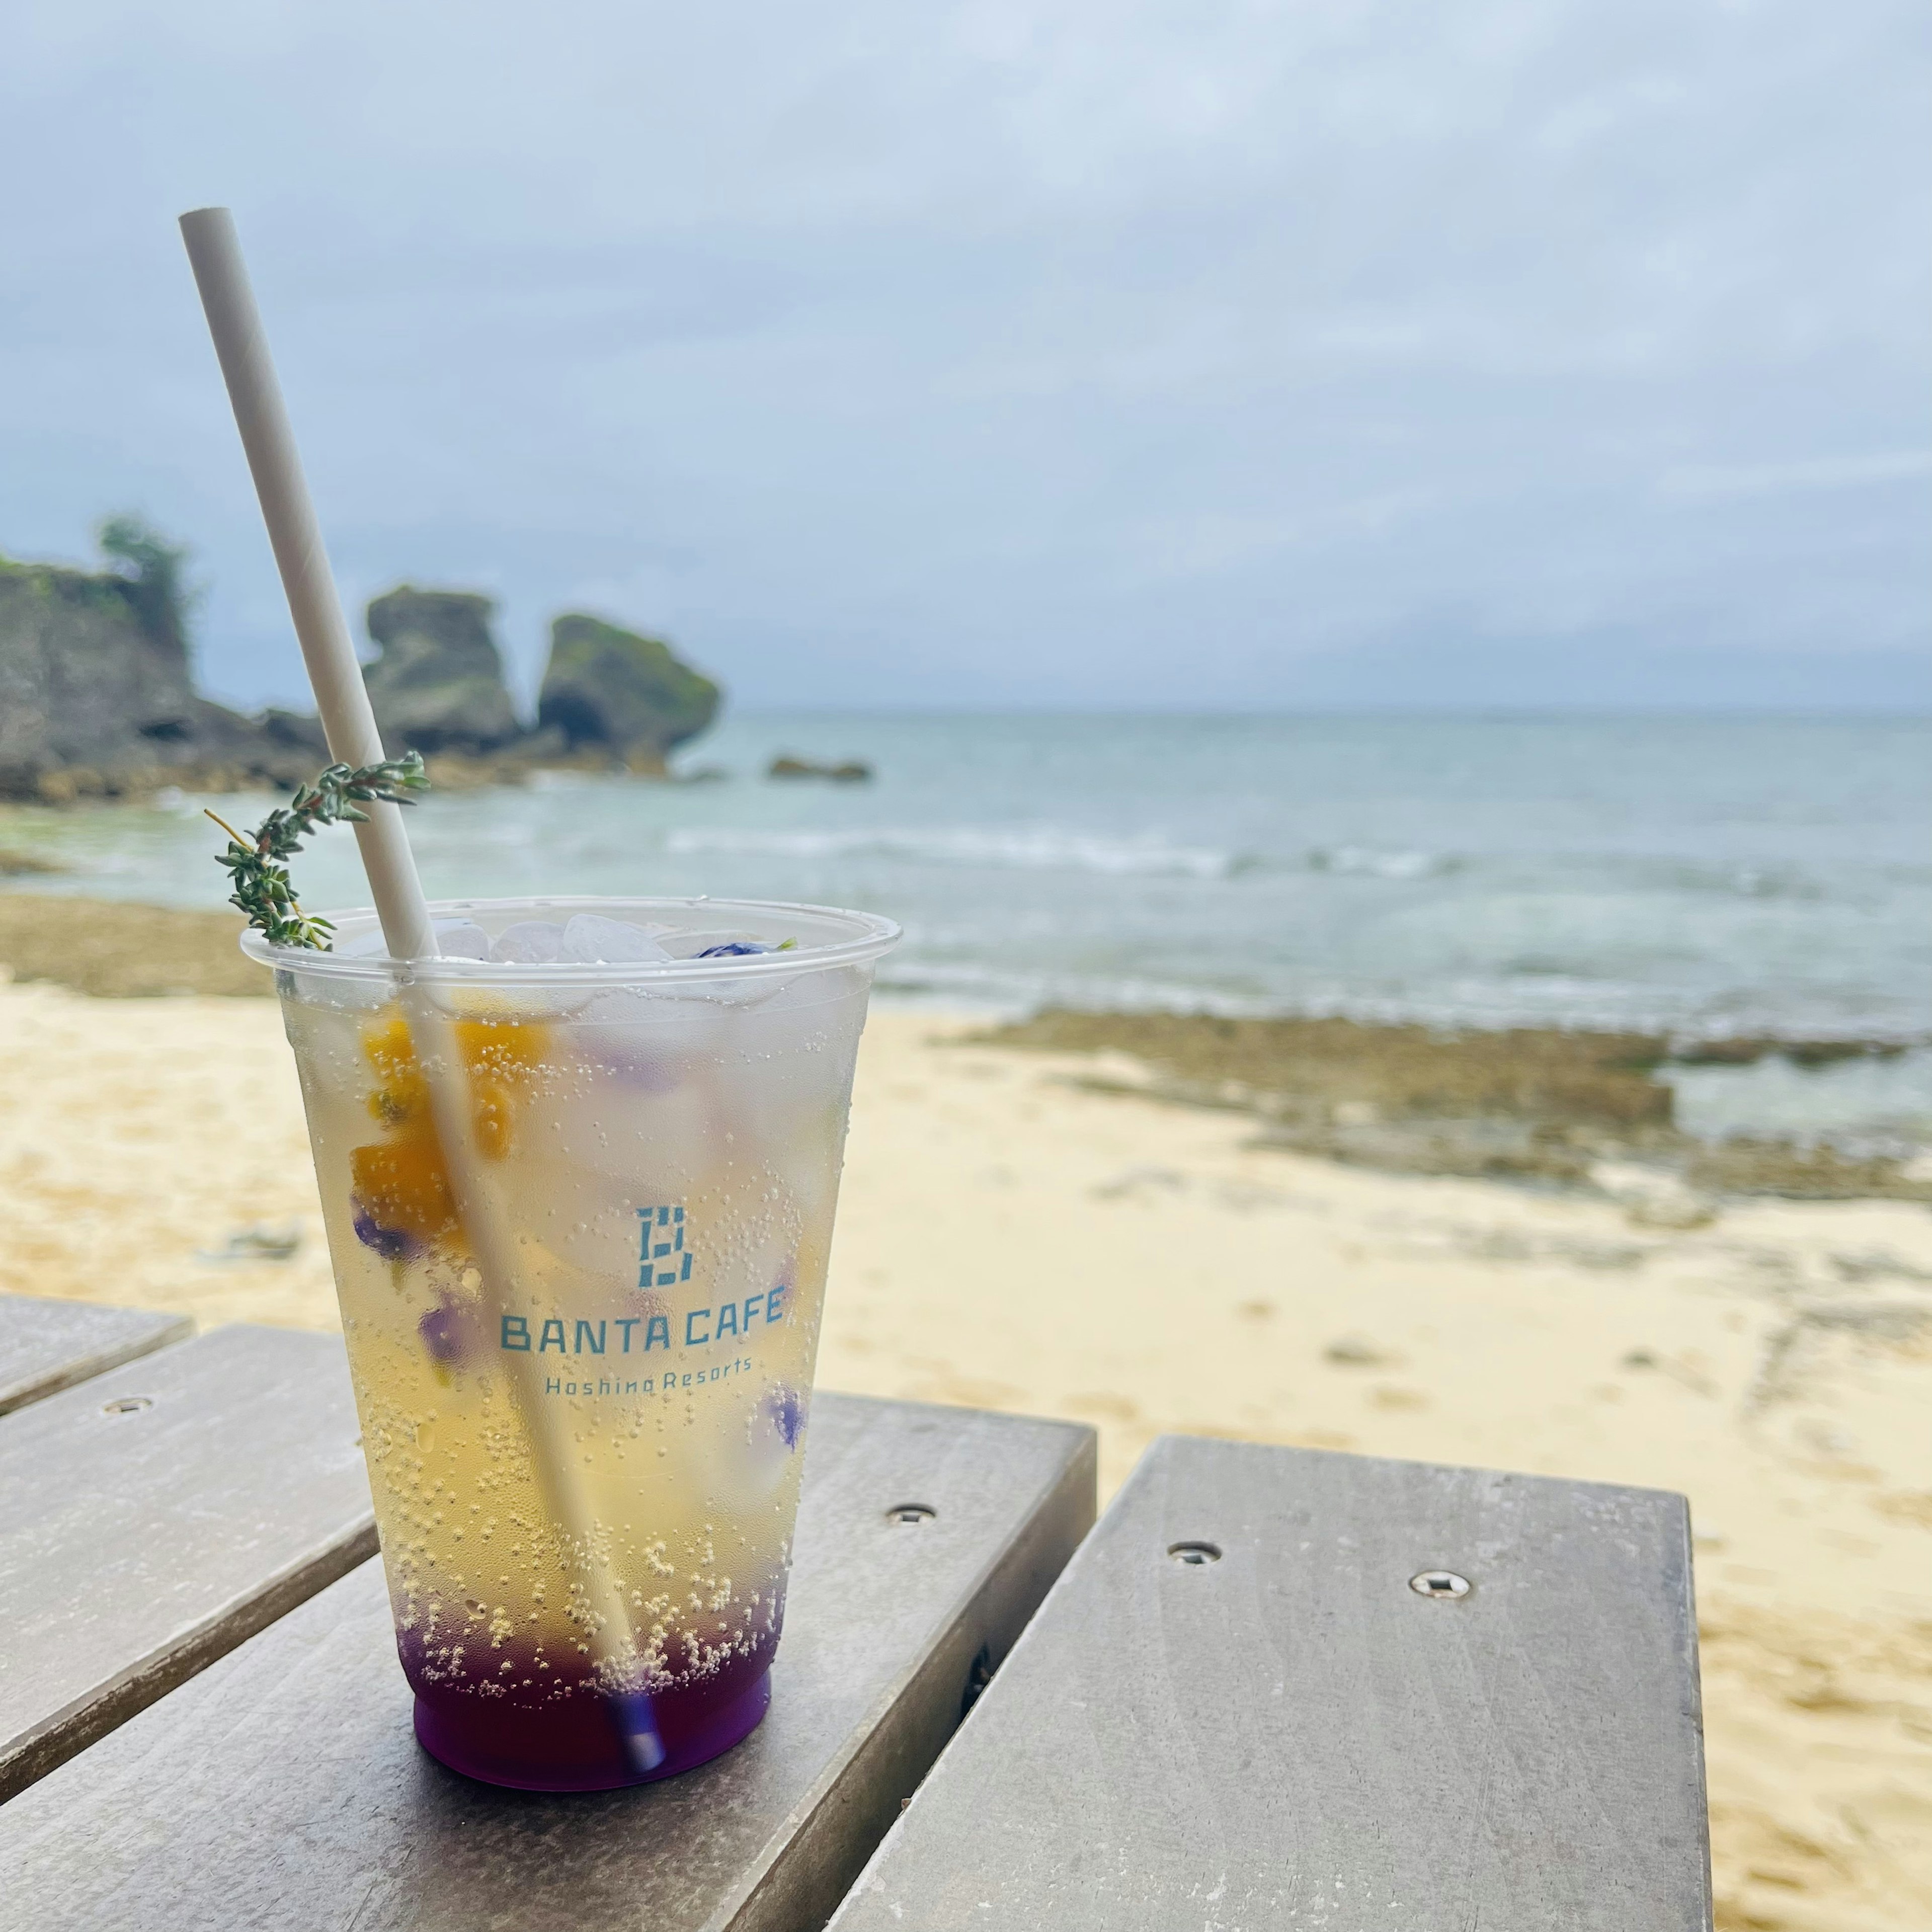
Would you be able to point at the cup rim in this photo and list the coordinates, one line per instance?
(872, 934)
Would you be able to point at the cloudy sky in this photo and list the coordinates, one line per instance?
(1217, 352)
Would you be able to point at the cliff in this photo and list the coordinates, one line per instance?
(97, 694)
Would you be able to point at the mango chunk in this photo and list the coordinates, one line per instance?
(403, 1186)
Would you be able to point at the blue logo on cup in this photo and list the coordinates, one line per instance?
(664, 1260)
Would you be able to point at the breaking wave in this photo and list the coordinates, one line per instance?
(1040, 848)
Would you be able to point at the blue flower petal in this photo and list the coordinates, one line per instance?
(390, 1242)
(447, 1332)
(787, 1410)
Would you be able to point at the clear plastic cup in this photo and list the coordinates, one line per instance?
(585, 1473)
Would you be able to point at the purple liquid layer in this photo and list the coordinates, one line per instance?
(579, 1743)
(548, 1726)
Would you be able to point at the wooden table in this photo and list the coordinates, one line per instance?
(1275, 1687)
(1285, 1688)
(47, 1346)
(152, 1517)
(184, 1581)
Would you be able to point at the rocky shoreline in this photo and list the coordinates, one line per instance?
(97, 697)
(1544, 1107)
(113, 949)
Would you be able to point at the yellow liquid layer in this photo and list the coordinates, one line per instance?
(667, 1183)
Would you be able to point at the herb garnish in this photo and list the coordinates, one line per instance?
(259, 866)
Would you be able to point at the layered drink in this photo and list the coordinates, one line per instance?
(578, 1176)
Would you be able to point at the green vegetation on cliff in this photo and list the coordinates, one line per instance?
(143, 581)
(149, 569)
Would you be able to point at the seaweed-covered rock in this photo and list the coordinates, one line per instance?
(612, 690)
(852, 771)
(97, 694)
(438, 684)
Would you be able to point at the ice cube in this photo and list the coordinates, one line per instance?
(530, 942)
(591, 940)
(455, 939)
(461, 939)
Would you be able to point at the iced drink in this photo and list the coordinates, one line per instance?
(585, 1474)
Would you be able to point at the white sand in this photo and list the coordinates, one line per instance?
(1008, 1241)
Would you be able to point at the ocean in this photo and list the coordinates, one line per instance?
(1701, 876)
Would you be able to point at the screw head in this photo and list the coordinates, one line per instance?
(1194, 1555)
(127, 1405)
(910, 1513)
(1439, 1583)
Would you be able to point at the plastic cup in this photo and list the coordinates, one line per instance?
(660, 1145)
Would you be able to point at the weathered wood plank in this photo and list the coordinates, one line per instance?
(46, 1346)
(1290, 1735)
(283, 1786)
(154, 1516)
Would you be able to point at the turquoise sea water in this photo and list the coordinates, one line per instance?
(1715, 875)
(1703, 876)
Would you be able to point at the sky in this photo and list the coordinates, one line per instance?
(1213, 354)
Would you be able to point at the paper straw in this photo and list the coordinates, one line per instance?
(349, 722)
(341, 697)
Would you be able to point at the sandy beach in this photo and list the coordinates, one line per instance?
(1011, 1237)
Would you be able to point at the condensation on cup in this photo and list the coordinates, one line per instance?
(656, 1093)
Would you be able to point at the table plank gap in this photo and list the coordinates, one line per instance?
(48, 1346)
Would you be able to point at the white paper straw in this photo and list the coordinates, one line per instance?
(342, 699)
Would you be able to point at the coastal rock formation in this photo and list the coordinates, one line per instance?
(97, 694)
(854, 771)
(1542, 1104)
(438, 684)
(614, 691)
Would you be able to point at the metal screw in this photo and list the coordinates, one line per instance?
(1194, 1555)
(1439, 1583)
(910, 1513)
(126, 1405)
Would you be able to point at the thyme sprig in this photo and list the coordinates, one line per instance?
(258, 866)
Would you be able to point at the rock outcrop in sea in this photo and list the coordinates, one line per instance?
(618, 694)
(437, 683)
(96, 690)
(851, 771)
(98, 696)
